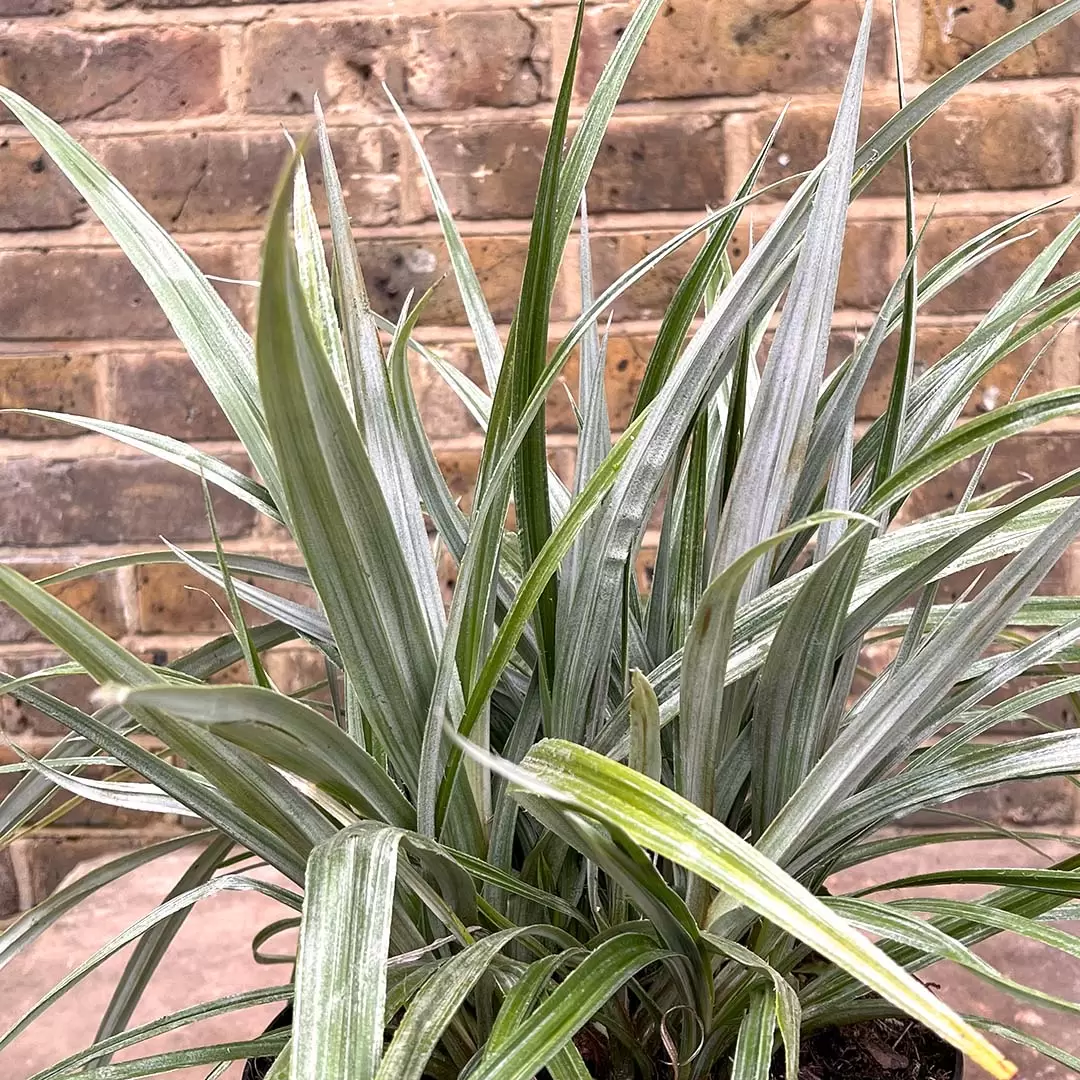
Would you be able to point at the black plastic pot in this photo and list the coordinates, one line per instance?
(958, 1072)
(257, 1068)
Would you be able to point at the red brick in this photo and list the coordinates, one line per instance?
(456, 60)
(627, 356)
(487, 170)
(1022, 804)
(971, 144)
(49, 859)
(75, 293)
(56, 382)
(108, 500)
(871, 260)
(983, 287)
(19, 719)
(952, 34)
(84, 813)
(444, 416)
(163, 391)
(149, 5)
(296, 669)
(615, 253)
(1034, 457)
(137, 74)
(95, 598)
(1058, 713)
(459, 465)
(9, 887)
(665, 163)
(701, 48)
(174, 599)
(8, 8)
(38, 195)
(225, 180)
(994, 389)
(870, 264)
(393, 267)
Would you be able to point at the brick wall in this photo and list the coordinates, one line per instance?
(185, 103)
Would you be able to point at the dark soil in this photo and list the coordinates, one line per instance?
(875, 1050)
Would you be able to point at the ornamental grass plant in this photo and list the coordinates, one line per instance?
(562, 827)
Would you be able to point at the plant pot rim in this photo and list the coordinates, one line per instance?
(285, 1017)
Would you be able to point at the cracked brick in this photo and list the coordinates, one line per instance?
(225, 180)
(137, 74)
(457, 60)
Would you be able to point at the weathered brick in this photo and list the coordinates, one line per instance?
(871, 260)
(95, 598)
(1056, 367)
(615, 253)
(296, 669)
(487, 170)
(163, 391)
(663, 163)
(1059, 712)
(394, 267)
(1022, 803)
(139, 74)
(174, 599)
(645, 567)
(869, 265)
(704, 47)
(108, 500)
(972, 143)
(9, 887)
(459, 465)
(978, 290)
(160, 4)
(627, 356)
(9, 8)
(49, 859)
(38, 195)
(20, 719)
(444, 415)
(56, 382)
(953, 33)
(1033, 457)
(667, 163)
(76, 293)
(225, 179)
(84, 813)
(456, 60)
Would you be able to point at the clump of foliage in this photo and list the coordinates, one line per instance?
(564, 828)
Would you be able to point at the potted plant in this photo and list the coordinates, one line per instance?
(568, 827)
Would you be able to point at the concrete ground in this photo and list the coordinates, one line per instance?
(211, 957)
